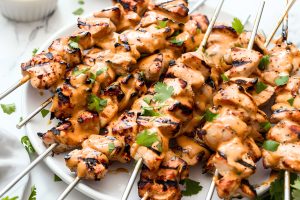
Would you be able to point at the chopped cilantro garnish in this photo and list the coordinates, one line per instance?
(73, 42)
(96, 104)
(177, 42)
(77, 72)
(264, 62)
(8, 108)
(162, 24)
(10, 198)
(34, 51)
(270, 145)
(149, 111)
(27, 144)
(191, 187)
(237, 25)
(33, 193)
(291, 101)
(265, 126)
(44, 112)
(224, 78)
(147, 138)
(81, 2)
(281, 80)
(78, 11)
(296, 189)
(210, 116)
(111, 147)
(259, 87)
(163, 92)
(198, 31)
(147, 99)
(56, 178)
(93, 76)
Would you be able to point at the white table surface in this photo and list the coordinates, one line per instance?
(19, 39)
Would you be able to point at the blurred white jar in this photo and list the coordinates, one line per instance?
(27, 10)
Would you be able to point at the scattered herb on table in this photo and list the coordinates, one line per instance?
(8, 108)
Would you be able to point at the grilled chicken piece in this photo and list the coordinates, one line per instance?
(87, 163)
(163, 184)
(173, 9)
(231, 135)
(259, 42)
(45, 70)
(189, 68)
(138, 6)
(71, 133)
(190, 151)
(121, 94)
(234, 163)
(286, 131)
(193, 32)
(156, 65)
(284, 60)
(121, 18)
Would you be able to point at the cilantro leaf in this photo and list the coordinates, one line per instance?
(296, 189)
(265, 126)
(78, 11)
(96, 104)
(12, 198)
(27, 144)
(162, 24)
(147, 138)
(198, 31)
(270, 145)
(237, 25)
(210, 116)
(8, 108)
(177, 42)
(44, 112)
(264, 62)
(191, 187)
(149, 111)
(77, 72)
(291, 101)
(93, 76)
(281, 80)
(259, 87)
(163, 92)
(224, 78)
(111, 147)
(147, 99)
(81, 2)
(56, 178)
(73, 42)
(32, 195)
(34, 51)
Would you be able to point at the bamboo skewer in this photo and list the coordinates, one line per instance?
(202, 45)
(250, 46)
(15, 86)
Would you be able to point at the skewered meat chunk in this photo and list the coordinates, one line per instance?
(45, 70)
(259, 42)
(71, 133)
(156, 65)
(87, 163)
(122, 20)
(286, 131)
(173, 9)
(121, 94)
(163, 184)
(138, 6)
(284, 59)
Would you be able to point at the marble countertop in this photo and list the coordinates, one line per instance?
(19, 39)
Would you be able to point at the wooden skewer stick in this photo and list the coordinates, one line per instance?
(27, 169)
(69, 189)
(250, 46)
(288, 7)
(140, 161)
(34, 113)
(15, 86)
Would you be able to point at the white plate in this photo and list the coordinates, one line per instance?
(113, 185)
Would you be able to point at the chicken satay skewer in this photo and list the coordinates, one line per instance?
(203, 44)
(250, 46)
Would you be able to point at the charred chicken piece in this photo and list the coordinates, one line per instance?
(45, 70)
(163, 184)
(71, 133)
